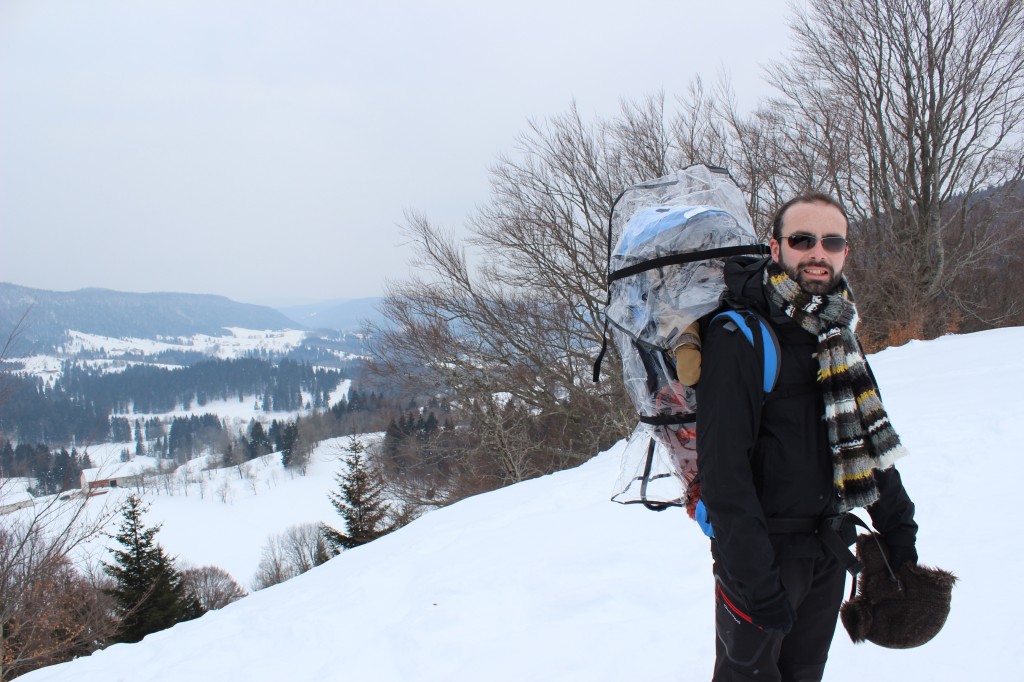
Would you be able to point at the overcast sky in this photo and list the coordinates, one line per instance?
(266, 150)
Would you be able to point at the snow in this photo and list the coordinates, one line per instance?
(228, 523)
(107, 456)
(14, 492)
(220, 517)
(44, 366)
(124, 352)
(115, 470)
(340, 392)
(548, 580)
(234, 413)
(236, 344)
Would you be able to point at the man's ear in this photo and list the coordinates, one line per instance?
(776, 248)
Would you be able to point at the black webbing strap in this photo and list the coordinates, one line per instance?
(653, 506)
(669, 419)
(673, 259)
(683, 258)
(826, 528)
(608, 300)
(604, 349)
(826, 532)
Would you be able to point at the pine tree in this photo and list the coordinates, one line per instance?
(150, 594)
(258, 440)
(288, 441)
(360, 502)
(140, 439)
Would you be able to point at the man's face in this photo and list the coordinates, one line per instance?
(816, 270)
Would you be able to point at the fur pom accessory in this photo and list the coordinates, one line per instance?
(897, 614)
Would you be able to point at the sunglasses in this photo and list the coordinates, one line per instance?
(806, 242)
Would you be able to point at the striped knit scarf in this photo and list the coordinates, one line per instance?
(859, 433)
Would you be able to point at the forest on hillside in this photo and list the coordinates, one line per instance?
(80, 405)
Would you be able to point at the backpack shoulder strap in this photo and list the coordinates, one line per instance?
(761, 336)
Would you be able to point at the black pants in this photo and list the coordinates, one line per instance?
(745, 652)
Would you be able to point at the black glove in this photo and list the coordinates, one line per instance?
(774, 615)
(901, 554)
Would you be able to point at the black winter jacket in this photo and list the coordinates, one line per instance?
(767, 456)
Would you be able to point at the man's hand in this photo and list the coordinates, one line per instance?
(901, 554)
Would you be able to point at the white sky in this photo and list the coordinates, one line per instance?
(266, 151)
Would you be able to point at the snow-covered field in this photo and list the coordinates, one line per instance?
(224, 517)
(220, 517)
(236, 344)
(236, 412)
(548, 580)
(119, 353)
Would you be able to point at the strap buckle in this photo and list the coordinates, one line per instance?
(828, 533)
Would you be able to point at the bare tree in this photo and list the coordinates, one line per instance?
(225, 491)
(524, 318)
(907, 109)
(47, 611)
(304, 546)
(59, 615)
(273, 567)
(212, 587)
(291, 553)
(903, 109)
(510, 334)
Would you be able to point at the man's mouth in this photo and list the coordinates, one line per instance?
(815, 271)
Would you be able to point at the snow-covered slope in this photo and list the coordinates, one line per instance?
(210, 516)
(548, 580)
(237, 343)
(109, 354)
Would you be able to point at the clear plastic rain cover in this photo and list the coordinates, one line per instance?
(689, 212)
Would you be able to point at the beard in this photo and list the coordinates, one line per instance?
(815, 287)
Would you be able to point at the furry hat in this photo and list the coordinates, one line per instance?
(896, 614)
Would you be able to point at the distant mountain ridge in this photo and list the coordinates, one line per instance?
(49, 314)
(345, 315)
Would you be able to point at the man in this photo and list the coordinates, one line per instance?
(778, 471)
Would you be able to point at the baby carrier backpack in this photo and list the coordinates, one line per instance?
(665, 273)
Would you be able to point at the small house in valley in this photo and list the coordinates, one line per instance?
(100, 479)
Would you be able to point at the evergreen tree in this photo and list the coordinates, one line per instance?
(360, 502)
(120, 430)
(393, 438)
(140, 439)
(288, 438)
(258, 440)
(150, 594)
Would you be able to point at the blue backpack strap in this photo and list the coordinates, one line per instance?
(762, 337)
(765, 341)
(701, 516)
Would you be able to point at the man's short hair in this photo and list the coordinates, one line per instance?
(805, 198)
